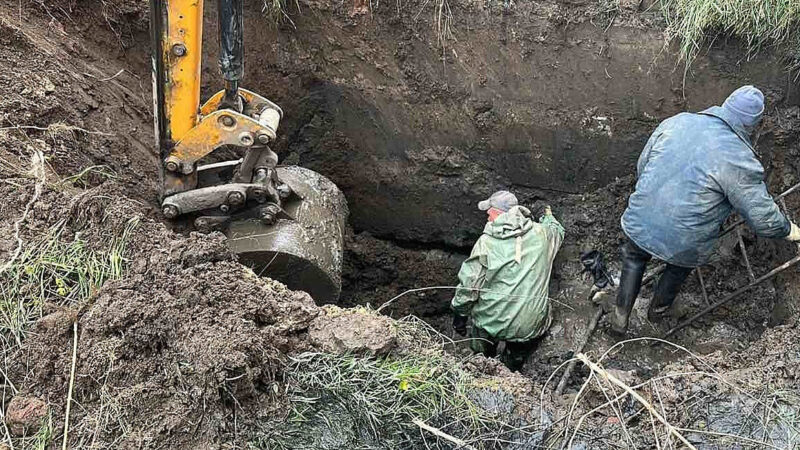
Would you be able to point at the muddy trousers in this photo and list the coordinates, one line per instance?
(513, 355)
(634, 262)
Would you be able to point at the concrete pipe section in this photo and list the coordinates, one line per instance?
(304, 252)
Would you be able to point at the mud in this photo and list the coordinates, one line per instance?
(168, 353)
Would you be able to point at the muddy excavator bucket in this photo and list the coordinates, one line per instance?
(304, 251)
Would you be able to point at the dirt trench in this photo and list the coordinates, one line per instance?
(552, 100)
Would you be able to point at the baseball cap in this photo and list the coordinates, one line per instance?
(502, 200)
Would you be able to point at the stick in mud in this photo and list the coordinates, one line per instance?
(730, 297)
(589, 330)
(437, 432)
(603, 373)
(592, 326)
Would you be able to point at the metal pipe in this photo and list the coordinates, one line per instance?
(730, 297)
(744, 255)
(702, 284)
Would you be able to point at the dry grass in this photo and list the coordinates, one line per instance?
(276, 11)
(759, 23)
(767, 417)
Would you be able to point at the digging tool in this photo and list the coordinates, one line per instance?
(286, 222)
(732, 296)
(589, 331)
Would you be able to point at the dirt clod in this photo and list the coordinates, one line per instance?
(352, 331)
(25, 414)
(57, 322)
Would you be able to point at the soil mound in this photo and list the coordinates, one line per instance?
(169, 354)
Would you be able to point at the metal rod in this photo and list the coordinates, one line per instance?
(744, 255)
(730, 297)
(785, 209)
(702, 284)
(741, 221)
(158, 16)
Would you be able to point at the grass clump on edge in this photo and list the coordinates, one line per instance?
(759, 23)
(377, 403)
(55, 270)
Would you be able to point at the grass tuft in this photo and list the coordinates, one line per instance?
(55, 270)
(760, 23)
(83, 178)
(372, 402)
(276, 11)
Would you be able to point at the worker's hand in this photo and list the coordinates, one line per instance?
(542, 211)
(794, 235)
(460, 324)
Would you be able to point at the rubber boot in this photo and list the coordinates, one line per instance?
(634, 262)
(669, 284)
(619, 320)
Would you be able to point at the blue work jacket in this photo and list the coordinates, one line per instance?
(695, 169)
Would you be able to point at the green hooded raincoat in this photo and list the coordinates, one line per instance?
(504, 283)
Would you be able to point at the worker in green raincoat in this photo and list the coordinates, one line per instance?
(503, 285)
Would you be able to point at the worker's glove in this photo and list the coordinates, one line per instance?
(594, 263)
(460, 324)
(794, 235)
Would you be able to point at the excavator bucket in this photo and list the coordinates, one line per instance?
(303, 248)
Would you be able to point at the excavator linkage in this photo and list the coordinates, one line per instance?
(285, 222)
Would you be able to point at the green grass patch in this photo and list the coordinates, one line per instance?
(371, 403)
(57, 270)
(759, 23)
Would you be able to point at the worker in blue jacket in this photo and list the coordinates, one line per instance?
(695, 169)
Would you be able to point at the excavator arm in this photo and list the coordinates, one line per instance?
(285, 221)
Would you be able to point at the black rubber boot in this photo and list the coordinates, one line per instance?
(634, 263)
(669, 284)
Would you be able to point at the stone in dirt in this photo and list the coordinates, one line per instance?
(25, 414)
(352, 331)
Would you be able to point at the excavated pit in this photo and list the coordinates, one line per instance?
(552, 100)
(415, 134)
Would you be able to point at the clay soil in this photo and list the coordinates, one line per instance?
(415, 123)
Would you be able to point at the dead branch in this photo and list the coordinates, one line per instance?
(437, 432)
